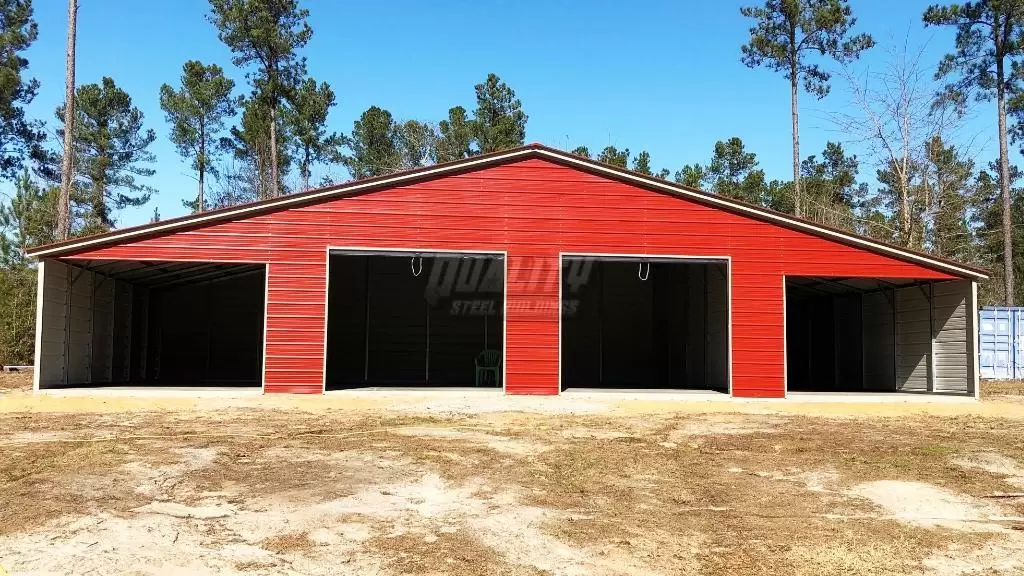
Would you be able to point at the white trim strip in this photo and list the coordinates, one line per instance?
(40, 285)
(346, 189)
(266, 309)
(975, 344)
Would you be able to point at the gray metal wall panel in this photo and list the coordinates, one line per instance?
(122, 336)
(718, 326)
(879, 341)
(79, 346)
(696, 329)
(913, 339)
(53, 334)
(953, 361)
(102, 329)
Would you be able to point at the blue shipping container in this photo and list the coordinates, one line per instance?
(1001, 331)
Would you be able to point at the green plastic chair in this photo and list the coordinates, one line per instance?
(488, 361)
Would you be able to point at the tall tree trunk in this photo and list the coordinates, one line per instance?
(795, 113)
(67, 166)
(905, 230)
(273, 151)
(1004, 185)
(305, 169)
(201, 165)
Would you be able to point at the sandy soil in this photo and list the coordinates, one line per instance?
(451, 484)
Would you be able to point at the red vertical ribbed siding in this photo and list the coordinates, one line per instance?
(533, 210)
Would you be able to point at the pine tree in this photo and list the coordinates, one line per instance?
(250, 148)
(19, 138)
(949, 181)
(111, 148)
(498, 121)
(196, 113)
(308, 118)
(987, 42)
(28, 220)
(455, 136)
(67, 172)
(581, 151)
(614, 156)
(267, 33)
(785, 34)
(374, 145)
(642, 163)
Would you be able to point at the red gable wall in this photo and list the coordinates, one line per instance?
(534, 210)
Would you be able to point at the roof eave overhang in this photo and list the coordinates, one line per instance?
(71, 247)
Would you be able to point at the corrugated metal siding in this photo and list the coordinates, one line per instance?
(54, 321)
(102, 329)
(79, 327)
(1001, 331)
(718, 327)
(532, 209)
(122, 337)
(913, 339)
(953, 362)
(879, 341)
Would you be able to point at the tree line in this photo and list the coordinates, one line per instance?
(915, 183)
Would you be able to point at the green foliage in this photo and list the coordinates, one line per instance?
(267, 34)
(733, 173)
(111, 148)
(28, 220)
(642, 164)
(581, 151)
(374, 145)
(250, 148)
(308, 118)
(987, 33)
(19, 137)
(691, 175)
(17, 314)
(455, 136)
(498, 121)
(415, 141)
(830, 188)
(196, 112)
(614, 156)
(986, 220)
(788, 30)
(950, 192)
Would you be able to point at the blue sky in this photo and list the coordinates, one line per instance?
(662, 75)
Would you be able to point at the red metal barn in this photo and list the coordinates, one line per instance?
(531, 269)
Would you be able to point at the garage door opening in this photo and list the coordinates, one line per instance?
(874, 335)
(141, 323)
(425, 320)
(658, 324)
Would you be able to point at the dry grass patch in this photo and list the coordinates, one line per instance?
(10, 381)
(990, 388)
(289, 543)
(524, 494)
(452, 553)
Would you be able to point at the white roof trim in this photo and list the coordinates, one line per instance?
(588, 164)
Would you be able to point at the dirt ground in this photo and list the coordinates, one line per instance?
(449, 484)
